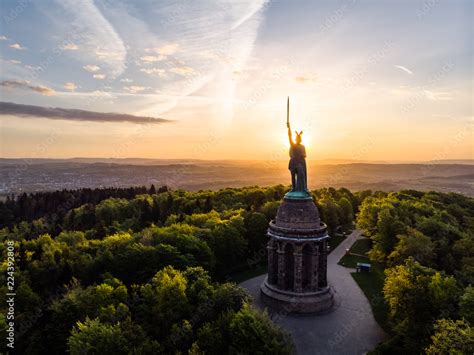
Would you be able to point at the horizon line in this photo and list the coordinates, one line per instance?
(368, 161)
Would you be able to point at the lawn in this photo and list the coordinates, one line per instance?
(335, 241)
(247, 274)
(361, 247)
(352, 260)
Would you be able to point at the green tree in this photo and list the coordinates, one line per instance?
(254, 332)
(451, 337)
(416, 296)
(466, 304)
(164, 301)
(414, 244)
(256, 230)
(95, 337)
(387, 228)
(346, 214)
(329, 212)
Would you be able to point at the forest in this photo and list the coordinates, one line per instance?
(425, 243)
(149, 270)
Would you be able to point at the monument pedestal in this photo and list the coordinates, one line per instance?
(297, 302)
(297, 258)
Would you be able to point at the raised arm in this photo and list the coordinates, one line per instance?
(290, 136)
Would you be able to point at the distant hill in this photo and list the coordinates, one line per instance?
(20, 175)
(149, 161)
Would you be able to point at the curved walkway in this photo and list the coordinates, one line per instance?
(350, 328)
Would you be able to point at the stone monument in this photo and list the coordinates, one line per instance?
(297, 246)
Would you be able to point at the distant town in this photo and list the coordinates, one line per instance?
(32, 175)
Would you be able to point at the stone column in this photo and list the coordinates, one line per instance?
(298, 269)
(281, 268)
(323, 282)
(315, 272)
(272, 273)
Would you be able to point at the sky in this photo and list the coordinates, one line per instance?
(367, 80)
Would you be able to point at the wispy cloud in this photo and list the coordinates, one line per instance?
(186, 29)
(70, 47)
(92, 68)
(31, 67)
(95, 31)
(99, 76)
(25, 85)
(405, 69)
(305, 79)
(184, 71)
(3, 38)
(154, 71)
(165, 50)
(56, 113)
(437, 95)
(152, 58)
(134, 88)
(70, 86)
(17, 46)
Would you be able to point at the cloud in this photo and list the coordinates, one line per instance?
(86, 21)
(17, 46)
(14, 61)
(32, 68)
(70, 86)
(126, 80)
(70, 47)
(229, 34)
(154, 71)
(99, 76)
(304, 79)
(56, 113)
(92, 68)
(152, 58)
(167, 49)
(437, 95)
(184, 71)
(25, 85)
(105, 55)
(405, 69)
(3, 38)
(134, 89)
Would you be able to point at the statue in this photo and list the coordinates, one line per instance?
(297, 165)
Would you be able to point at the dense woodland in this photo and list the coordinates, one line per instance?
(145, 271)
(425, 242)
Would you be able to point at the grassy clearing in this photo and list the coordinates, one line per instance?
(335, 241)
(361, 246)
(371, 283)
(352, 260)
(247, 274)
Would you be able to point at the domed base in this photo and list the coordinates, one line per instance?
(297, 303)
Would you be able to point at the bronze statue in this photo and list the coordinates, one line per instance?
(297, 165)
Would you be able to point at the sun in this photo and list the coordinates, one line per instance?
(306, 139)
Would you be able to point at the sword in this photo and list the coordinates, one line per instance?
(288, 112)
